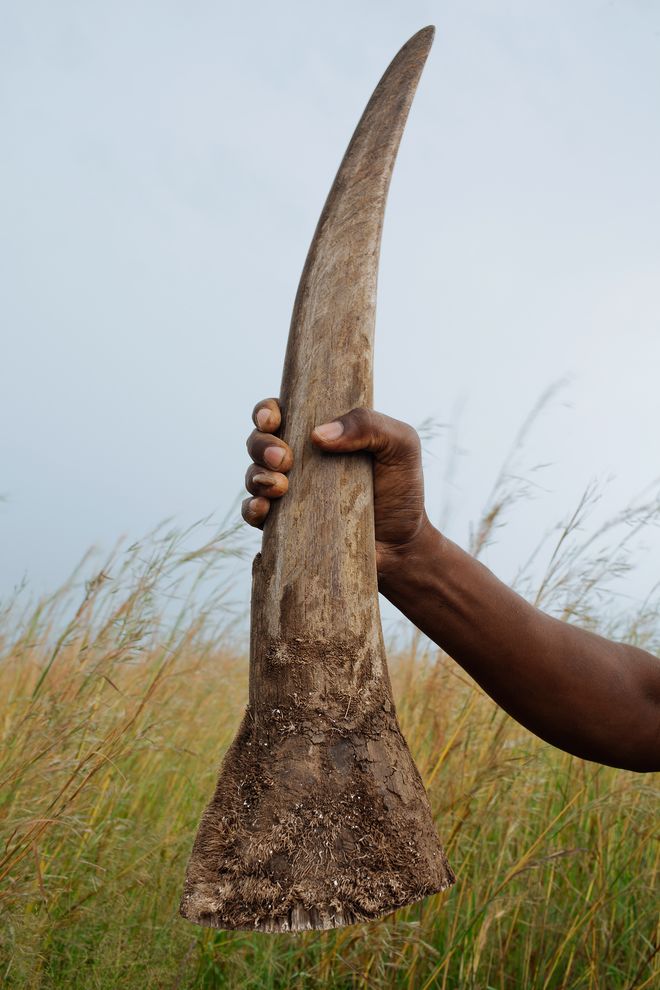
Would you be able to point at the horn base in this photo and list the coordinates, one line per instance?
(314, 828)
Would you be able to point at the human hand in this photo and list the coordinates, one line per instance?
(399, 514)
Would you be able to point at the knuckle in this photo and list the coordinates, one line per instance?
(409, 438)
(393, 439)
(249, 482)
(360, 419)
(250, 442)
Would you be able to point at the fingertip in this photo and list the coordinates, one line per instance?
(263, 419)
(259, 505)
(254, 510)
(275, 456)
(274, 483)
(266, 415)
(328, 432)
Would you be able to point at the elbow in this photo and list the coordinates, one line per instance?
(643, 760)
(640, 746)
(647, 758)
(638, 699)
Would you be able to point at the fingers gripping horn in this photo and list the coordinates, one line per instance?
(320, 818)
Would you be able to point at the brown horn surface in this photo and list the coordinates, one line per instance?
(320, 818)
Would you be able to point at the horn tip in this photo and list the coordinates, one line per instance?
(419, 45)
(425, 34)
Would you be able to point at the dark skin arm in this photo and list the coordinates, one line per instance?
(589, 696)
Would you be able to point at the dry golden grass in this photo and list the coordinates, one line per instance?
(114, 722)
(119, 698)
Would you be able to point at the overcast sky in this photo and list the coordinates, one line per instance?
(163, 165)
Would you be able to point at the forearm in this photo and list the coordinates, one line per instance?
(591, 697)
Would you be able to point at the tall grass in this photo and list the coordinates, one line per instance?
(117, 706)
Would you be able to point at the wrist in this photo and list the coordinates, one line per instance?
(400, 563)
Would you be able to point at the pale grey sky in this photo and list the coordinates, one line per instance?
(162, 169)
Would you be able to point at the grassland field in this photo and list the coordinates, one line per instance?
(119, 696)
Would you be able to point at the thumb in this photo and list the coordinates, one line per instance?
(390, 440)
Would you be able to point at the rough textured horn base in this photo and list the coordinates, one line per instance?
(314, 826)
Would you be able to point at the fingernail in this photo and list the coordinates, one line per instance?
(253, 507)
(330, 431)
(274, 456)
(263, 479)
(262, 418)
